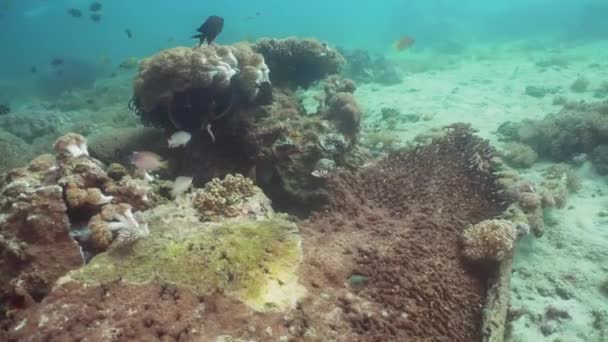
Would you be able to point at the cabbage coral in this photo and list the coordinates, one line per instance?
(488, 240)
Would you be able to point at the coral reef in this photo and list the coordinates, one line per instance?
(599, 157)
(578, 128)
(339, 106)
(271, 138)
(242, 263)
(488, 241)
(14, 151)
(223, 198)
(113, 144)
(519, 155)
(188, 88)
(298, 62)
(391, 223)
(364, 260)
(45, 209)
(364, 67)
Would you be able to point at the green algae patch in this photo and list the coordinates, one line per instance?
(254, 261)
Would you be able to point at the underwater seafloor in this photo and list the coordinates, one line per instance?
(454, 195)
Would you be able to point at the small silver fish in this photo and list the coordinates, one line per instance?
(148, 161)
(179, 139)
(181, 185)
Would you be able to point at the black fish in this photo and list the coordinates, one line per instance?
(57, 62)
(210, 29)
(74, 12)
(96, 17)
(95, 7)
(33, 70)
(129, 33)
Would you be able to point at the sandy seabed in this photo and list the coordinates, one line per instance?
(555, 288)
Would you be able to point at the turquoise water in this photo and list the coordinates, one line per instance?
(33, 31)
(530, 75)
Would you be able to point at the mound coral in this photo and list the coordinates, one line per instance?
(340, 106)
(188, 88)
(576, 129)
(362, 66)
(299, 62)
(488, 240)
(258, 130)
(519, 155)
(223, 198)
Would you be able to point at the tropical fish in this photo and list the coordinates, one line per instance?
(179, 138)
(210, 29)
(75, 12)
(129, 33)
(148, 161)
(95, 7)
(57, 62)
(403, 43)
(33, 70)
(96, 17)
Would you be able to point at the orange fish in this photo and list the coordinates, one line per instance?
(403, 43)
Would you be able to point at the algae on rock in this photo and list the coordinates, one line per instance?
(253, 257)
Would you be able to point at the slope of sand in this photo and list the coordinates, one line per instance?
(556, 293)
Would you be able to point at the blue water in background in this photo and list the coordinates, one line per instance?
(34, 31)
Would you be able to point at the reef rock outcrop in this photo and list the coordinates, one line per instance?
(198, 270)
(45, 210)
(253, 128)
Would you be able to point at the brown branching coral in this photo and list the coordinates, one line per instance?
(398, 224)
(489, 240)
(221, 198)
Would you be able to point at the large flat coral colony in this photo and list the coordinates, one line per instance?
(406, 248)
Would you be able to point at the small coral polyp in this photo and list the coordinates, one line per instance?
(222, 198)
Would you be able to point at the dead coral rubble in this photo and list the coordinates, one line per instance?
(397, 225)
